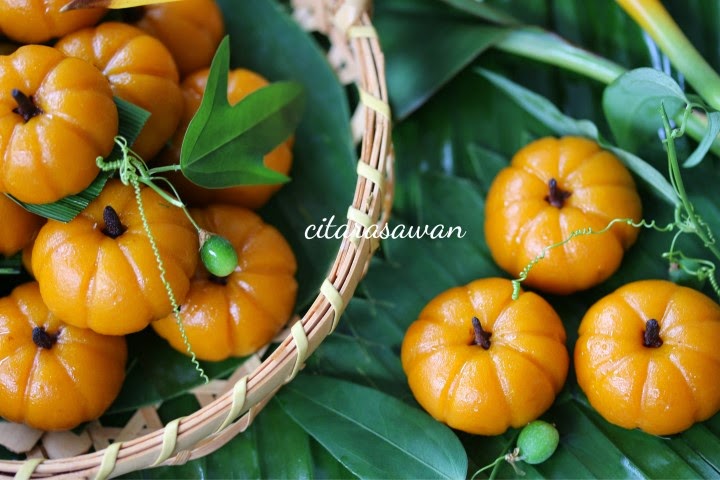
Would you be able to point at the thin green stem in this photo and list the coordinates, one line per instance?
(699, 227)
(167, 168)
(549, 48)
(652, 17)
(133, 171)
(183, 207)
(163, 278)
(486, 467)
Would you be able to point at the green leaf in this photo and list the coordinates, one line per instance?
(540, 108)
(131, 120)
(364, 349)
(484, 11)
(157, 372)
(547, 113)
(324, 162)
(450, 41)
(711, 133)
(372, 434)
(632, 105)
(11, 265)
(224, 145)
(274, 446)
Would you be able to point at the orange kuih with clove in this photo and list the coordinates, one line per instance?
(482, 362)
(34, 21)
(241, 82)
(191, 30)
(647, 357)
(552, 188)
(99, 270)
(140, 70)
(57, 115)
(54, 376)
(18, 226)
(237, 314)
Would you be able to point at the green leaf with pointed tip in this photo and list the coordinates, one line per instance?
(224, 145)
(711, 133)
(450, 41)
(543, 110)
(373, 434)
(632, 105)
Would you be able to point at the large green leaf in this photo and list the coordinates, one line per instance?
(157, 372)
(224, 144)
(264, 38)
(371, 433)
(426, 45)
(633, 100)
(274, 446)
(547, 113)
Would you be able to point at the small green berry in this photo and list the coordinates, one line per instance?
(537, 442)
(218, 256)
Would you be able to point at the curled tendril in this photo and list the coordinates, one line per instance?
(133, 171)
(516, 283)
(686, 220)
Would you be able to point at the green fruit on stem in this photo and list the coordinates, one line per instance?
(537, 442)
(219, 256)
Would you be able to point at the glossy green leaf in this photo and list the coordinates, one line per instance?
(364, 349)
(484, 11)
(11, 265)
(224, 145)
(547, 113)
(632, 105)
(371, 433)
(264, 38)
(158, 372)
(274, 446)
(131, 120)
(450, 41)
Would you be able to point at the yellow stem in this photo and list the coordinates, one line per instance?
(652, 17)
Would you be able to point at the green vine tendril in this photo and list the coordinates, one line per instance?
(133, 171)
(579, 233)
(686, 221)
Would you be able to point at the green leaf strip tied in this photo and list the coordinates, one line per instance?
(131, 121)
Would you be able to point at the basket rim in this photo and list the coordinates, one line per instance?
(213, 425)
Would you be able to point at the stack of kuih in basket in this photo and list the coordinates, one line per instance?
(121, 251)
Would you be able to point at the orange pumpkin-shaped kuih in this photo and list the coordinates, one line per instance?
(99, 271)
(37, 21)
(241, 82)
(234, 316)
(191, 30)
(552, 188)
(57, 115)
(54, 376)
(18, 227)
(482, 362)
(647, 357)
(140, 70)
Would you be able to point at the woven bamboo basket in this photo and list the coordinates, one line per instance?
(229, 406)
